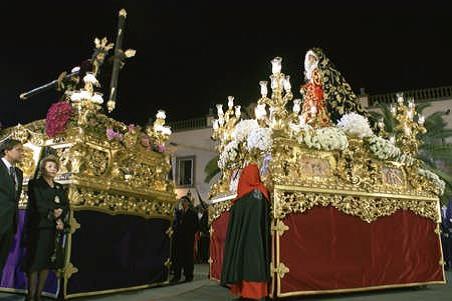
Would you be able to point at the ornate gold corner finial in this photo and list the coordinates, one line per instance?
(280, 270)
(169, 232)
(437, 229)
(69, 270)
(168, 263)
(280, 227)
(74, 225)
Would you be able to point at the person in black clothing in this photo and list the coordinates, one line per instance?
(185, 227)
(10, 190)
(47, 218)
(446, 234)
(204, 235)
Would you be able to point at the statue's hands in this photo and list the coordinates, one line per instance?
(57, 212)
(59, 225)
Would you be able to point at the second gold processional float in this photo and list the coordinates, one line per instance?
(352, 210)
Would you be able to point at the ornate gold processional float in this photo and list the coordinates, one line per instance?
(116, 174)
(352, 207)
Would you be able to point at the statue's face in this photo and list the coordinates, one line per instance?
(311, 59)
(310, 63)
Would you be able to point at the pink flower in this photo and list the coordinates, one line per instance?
(57, 118)
(112, 135)
(161, 148)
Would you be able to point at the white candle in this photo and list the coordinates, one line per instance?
(421, 120)
(276, 65)
(220, 110)
(392, 109)
(264, 90)
(286, 83)
(237, 112)
(296, 106)
(230, 102)
(161, 114)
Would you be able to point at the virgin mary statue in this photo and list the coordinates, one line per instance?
(327, 96)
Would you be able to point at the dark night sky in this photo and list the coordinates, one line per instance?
(193, 54)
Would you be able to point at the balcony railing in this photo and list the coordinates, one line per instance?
(420, 95)
(190, 124)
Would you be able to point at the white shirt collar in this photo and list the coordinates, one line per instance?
(8, 165)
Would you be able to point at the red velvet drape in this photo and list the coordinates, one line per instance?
(217, 239)
(326, 249)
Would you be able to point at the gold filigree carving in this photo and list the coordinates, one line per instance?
(393, 176)
(96, 162)
(217, 209)
(28, 164)
(366, 208)
(353, 169)
(112, 203)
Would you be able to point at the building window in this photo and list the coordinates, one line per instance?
(185, 171)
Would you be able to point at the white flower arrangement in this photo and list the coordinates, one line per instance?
(355, 125)
(161, 114)
(97, 98)
(80, 95)
(229, 154)
(261, 139)
(440, 184)
(90, 78)
(329, 138)
(383, 149)
(165, 130)
(243, 129)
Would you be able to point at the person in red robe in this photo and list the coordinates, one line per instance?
(246, 259)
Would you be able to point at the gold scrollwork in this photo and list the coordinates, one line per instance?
(81, 198)
(217, 209)
(367, 208)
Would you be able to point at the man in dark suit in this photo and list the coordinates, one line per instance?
(185, 226)
(10, 190)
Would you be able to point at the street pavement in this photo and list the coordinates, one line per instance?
(202, 289)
